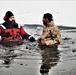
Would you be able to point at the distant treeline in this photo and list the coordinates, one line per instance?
(66, 27)
(60, 27)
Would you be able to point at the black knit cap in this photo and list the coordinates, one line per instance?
(49, 16)
(8, 15)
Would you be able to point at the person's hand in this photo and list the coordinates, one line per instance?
(42, 42)
(32, 39)
(39, 40)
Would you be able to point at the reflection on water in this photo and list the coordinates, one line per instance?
(7, 51)
(50, 58)
(8, 48)
(7, 56)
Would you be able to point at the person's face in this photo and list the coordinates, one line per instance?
(45, 21)
(11, 18)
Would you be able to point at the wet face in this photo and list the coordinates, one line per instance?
(45, 21)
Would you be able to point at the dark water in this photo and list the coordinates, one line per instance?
(33, 59)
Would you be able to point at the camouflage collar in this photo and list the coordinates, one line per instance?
(51, 24)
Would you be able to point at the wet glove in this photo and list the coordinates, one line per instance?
(32, 39)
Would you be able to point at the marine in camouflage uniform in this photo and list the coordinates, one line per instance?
(51, 34)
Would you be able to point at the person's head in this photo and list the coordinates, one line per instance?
(47, 18)
(9, 16)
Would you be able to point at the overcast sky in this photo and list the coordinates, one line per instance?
(31, 11)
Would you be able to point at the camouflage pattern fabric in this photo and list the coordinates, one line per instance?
(51, 34)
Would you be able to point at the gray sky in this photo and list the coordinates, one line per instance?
(31, 11)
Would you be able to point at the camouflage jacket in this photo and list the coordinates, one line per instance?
(51, 34)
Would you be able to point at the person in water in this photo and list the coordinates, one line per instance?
(48, 44)
(51, 34)
(10, 30)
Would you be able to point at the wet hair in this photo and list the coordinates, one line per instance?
(48, 16)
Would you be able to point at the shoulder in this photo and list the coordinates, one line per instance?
(19, 26)
(55, 28)
(3, 25)
(16, 25)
